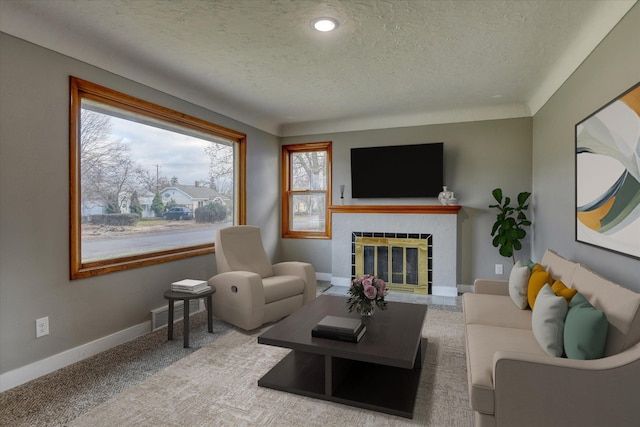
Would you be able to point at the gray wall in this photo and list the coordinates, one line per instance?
(517, 155)
(479, 156)
(612, 68)
(34, 211)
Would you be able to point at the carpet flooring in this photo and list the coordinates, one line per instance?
(214, 383)
(217, 386)
(59, 397)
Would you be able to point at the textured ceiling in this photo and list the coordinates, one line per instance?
(390, 63)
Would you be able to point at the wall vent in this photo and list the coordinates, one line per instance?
(160, 316)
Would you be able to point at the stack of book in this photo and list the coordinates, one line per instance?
(339, 328)
(190, 286)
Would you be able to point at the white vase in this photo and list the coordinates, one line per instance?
(445, 195)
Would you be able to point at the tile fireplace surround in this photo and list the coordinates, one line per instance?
(439, 221)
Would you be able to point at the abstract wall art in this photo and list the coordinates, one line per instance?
(608, 176)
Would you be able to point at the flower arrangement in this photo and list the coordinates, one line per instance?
(366, 293)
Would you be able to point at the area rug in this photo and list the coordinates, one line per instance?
(217, 385)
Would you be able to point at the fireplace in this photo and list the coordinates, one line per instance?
(439, 222)
(403, 260)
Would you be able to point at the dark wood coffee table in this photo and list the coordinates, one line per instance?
(380, 373)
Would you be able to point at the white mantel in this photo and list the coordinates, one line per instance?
(439, 221)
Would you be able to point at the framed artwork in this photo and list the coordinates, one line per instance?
(608, 176)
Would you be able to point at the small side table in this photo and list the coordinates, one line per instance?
(185, 297)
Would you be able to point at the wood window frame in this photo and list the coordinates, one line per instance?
(82, 89)
(287, 151)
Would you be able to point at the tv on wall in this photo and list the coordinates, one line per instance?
(397, 171)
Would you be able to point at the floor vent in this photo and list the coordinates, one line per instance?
(160, 316)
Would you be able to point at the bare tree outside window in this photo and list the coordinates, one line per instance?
(309, 176)
(306, 190)
(139, 175)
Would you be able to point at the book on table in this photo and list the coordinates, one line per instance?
(339, 328)
(340, 336)
(346, 325)
(190, 285)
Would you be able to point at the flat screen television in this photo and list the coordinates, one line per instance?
(397, 171)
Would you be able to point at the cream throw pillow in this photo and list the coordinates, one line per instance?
(518, 282)
(547, 321)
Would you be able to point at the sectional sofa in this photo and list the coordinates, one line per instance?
(513, 381)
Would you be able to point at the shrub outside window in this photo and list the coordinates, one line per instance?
(306, 190)
(147, 184)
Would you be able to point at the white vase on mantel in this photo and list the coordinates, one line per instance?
(445, 195)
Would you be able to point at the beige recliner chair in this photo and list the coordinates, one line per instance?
(249, 290)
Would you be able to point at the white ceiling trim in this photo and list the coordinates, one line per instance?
(407, 120)
(602, 22)
(18, 19)
(43, 32)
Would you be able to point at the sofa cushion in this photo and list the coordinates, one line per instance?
(621, 305)
(558, 267)
(281, 287)
(560, 289)
(239, 248)
(518, 282)
(547, 321)
(494, 310)
(538, 279)
(585, 330)
(482, 343)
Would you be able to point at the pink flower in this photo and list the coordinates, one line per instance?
(370, 291)
(367, 281)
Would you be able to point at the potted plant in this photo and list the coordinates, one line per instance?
(508, 229)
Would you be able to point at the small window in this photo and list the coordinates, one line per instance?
(148, 184)
(306, 190)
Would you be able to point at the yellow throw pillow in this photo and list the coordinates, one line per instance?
(561, 290)
(536, 268)
(537, 280)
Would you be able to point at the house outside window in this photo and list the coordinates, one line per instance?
(306, 190)
(148, 184)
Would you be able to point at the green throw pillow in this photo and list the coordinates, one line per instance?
(585, 330)
(530, 264)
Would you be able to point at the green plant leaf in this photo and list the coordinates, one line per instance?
(507, 230)
(522, 197)
(506, 251)
(497, 194)
(495, 228)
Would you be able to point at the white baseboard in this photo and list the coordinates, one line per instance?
(323, 276)
(42, 367)
(340, 281)
(463, 289)
(444, 291)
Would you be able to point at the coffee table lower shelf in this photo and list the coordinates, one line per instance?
(375, 387)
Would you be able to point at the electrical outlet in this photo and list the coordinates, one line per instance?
(42, 327)
(499, 269)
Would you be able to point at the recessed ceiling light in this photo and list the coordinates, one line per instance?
(325, 24)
